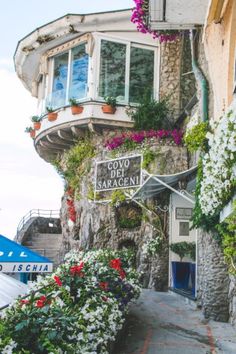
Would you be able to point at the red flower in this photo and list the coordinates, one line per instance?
(41, 302)
(104, 298)
(24, 302)
(115, 263)
(103, 285)
(122, 273)
(57, 280)
(77, 269)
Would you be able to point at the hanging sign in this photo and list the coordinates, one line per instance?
(183, 213)
(124, 172)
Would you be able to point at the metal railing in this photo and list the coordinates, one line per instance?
(37, 213)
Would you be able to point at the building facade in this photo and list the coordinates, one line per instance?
(88, 58)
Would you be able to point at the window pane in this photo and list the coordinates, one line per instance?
(79, 72)
(141, 73)
(59, 80)
(112, 70)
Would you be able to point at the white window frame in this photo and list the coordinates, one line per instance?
(128, 44)
(51, 72)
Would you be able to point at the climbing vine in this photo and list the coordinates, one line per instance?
(75, 163)
(227, 230)
(195, 138)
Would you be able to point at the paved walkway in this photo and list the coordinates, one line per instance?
(161, 323)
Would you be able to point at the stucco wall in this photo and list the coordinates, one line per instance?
(219, 44)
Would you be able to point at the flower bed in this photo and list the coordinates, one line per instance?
(78, 309)
(132, 139)
(219, 173)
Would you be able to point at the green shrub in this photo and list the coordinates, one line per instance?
(150, 114)
(195, 138)
(180, 248)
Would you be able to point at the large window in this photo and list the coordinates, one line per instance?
(70, 76)
(126, 71)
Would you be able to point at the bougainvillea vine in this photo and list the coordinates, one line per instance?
(140, 19)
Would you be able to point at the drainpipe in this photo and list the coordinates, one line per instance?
(200, 78)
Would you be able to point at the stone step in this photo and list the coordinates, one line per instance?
(53, 255)
(45, 236)
(43, 244)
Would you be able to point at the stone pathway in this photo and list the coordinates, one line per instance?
(161, 323)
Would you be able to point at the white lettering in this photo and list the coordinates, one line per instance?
(113, 173)
(22, 254)
(109, 166)
(120, 182)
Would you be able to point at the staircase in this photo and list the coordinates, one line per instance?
(40, 231)
(47, 245)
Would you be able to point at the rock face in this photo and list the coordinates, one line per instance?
(101, 225)
(232, 299)
(213, 279)
(177, 80)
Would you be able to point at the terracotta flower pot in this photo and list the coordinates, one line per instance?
(32, 134)
(37, 125)
(77, 109)
(108, 109)
(52, 116)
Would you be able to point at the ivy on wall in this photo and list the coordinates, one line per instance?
(227, 230)
(75, 163)
(195, 138)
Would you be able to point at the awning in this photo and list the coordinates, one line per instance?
(10, 289)
(156, 184)
(15, 258)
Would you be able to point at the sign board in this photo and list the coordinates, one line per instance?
(124, 172)
(15, 258)
(14, 267)
(183, 213)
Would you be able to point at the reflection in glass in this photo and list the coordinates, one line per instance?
(59, 80)
(141, 73)
(79, 72)
(112, 70)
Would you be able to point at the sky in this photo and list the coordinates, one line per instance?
(26, 181)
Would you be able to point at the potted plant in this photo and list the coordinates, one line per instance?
(31, 131)
(37, 122)
(52, 115)
(75, 107)
(110, 106)
(180, 270)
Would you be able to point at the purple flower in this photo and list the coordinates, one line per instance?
(138, 137)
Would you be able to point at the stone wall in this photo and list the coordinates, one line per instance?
(97, 223)
(216, 294)
(170, 66)
(232, 299)
(37, 225)
(213, 279)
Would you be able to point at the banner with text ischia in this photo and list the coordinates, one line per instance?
(124, 172)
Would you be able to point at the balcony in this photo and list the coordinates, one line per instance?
(86, 58)
(55, 137)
